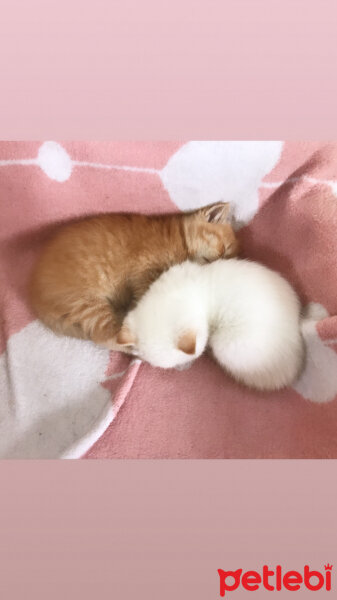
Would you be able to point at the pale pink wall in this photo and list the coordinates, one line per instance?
(143, 69)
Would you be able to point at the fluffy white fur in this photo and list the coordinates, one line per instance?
(247, 314)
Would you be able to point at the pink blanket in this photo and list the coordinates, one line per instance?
(64, 397)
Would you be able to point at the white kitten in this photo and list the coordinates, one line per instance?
(247, 314)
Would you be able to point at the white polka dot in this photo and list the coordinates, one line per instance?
(54, 161)
(204, 172)
(58, 397)
(318, 381)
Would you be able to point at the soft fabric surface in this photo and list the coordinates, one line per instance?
(61, 397)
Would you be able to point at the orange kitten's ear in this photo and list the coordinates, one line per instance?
(187, 342)
(125, 337)
(216, 213)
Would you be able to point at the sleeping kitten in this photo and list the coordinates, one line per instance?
(247, 314)
(92, 272)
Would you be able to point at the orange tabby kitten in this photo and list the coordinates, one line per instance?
(92, 272)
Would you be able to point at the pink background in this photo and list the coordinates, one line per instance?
(160, 530)
(163, 70)
(169, 69)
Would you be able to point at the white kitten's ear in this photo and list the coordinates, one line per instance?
(216, 213)
(125, 337)
(187, 342)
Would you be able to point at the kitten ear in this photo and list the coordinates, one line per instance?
(125, 337)
(216, 213)
(187, 342)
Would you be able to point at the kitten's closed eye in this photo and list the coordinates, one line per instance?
(202, 260)
(214, 242)
(184, 366)
(129, 348)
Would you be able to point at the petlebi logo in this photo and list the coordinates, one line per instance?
(275, 579)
